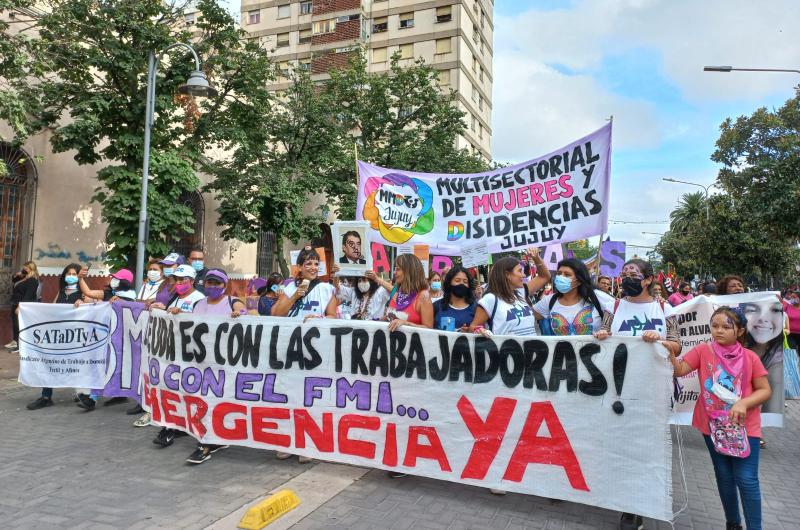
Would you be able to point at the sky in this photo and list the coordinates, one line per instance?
(562, 68)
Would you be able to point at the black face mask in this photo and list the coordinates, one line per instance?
(686, 293)
(632, 286)
(460, 290)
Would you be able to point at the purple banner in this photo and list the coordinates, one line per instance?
(612, 258)
(128, 324)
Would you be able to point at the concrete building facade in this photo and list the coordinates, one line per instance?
(455, 36)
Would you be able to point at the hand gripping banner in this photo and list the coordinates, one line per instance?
(560, 197)
(566, 418)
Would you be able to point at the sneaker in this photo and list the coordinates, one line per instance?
(86, 402)
(15, 350)
(214, 448)
(282, 456)
(40, 403)
(200, 455)
(631, 521)
(114, 401)
(396, 474)
(165, 437)
(134, 410)
(733, 526)
(75, 397)
(12, 345)
(304, 459)
(497, 492)
(143, 421)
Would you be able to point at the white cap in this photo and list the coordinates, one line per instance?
(184, 271)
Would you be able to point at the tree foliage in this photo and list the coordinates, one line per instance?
(89, 64)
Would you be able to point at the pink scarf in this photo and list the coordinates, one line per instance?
(732, 358)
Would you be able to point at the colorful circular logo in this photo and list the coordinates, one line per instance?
(398, 206)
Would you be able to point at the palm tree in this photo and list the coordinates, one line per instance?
(690, 211)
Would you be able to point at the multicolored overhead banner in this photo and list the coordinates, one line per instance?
(560, 197)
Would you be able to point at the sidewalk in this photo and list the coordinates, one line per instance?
(65, 468)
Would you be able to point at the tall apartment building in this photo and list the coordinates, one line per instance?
(455, 36)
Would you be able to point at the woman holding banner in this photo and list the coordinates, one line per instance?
(24, 289)
(68, 293)
(731, 284)
(638, 314)
(409, 300)
(576, 308)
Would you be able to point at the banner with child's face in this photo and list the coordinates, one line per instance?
(560, 197)
(764, 335)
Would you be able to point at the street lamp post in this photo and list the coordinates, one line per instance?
(705, 189)
(728, 69)
(196, 85)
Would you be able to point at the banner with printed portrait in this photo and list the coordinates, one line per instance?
(764, 313)
(560, 197)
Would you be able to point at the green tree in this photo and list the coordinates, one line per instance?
(90, 61)
(691, 210)
(400, 119)
(277, 160)
(760, 155)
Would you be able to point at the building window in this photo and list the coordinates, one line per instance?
(347, 18)
(444, 78)
(324, 26)
(283, 70)
(483, 19)
(443, 45)
(480, 132)
(284, 11)
(254, 17)
(305, 64)
(183, 241)
(379, 55)
(265, 260)
(17, 189)
(380, 25)
(189, 18)
(480, 102)
(444, 14)
(476, 36)
(406, 20)
(474, 123)
(283, 40)
(474, 64)
(474, 92)
(305, 8)
(406, 51)
(480, 74)
(305, 36)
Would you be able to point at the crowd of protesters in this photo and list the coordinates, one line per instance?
(521, 298)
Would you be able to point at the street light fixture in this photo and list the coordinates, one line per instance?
(705, 188)
(654, 233)
(197, 85)
(727, 69)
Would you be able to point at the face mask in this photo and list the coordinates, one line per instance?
(363, 286)
(563, 284)
(436, 286)
(169, 271)
(460, 290)
(71, 280)
(182, 288)
(685, 293)
(153, 276)
(114, 283)
(274, 288)
(215, 292)
(632, 286)
(197, 265)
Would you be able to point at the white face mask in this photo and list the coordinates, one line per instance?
(153, 276)
(114, 283)
(363, 286)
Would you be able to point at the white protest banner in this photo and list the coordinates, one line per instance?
(475, 255)
(764, 336)
(566, 418)
(63, 346)
(560, 197)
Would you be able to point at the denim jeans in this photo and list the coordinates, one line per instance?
(735, 477)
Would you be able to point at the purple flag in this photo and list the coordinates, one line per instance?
(612, 258)
(128, 324)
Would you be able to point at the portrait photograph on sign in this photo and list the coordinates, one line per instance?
(351, 248)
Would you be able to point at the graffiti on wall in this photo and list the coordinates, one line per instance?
(54, 251)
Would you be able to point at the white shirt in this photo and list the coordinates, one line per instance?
(315, 301)
(632, 319)
(375, 307)
(149, 291)
(186, 305)
(509, 319)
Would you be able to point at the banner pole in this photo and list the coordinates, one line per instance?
(355, 150)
